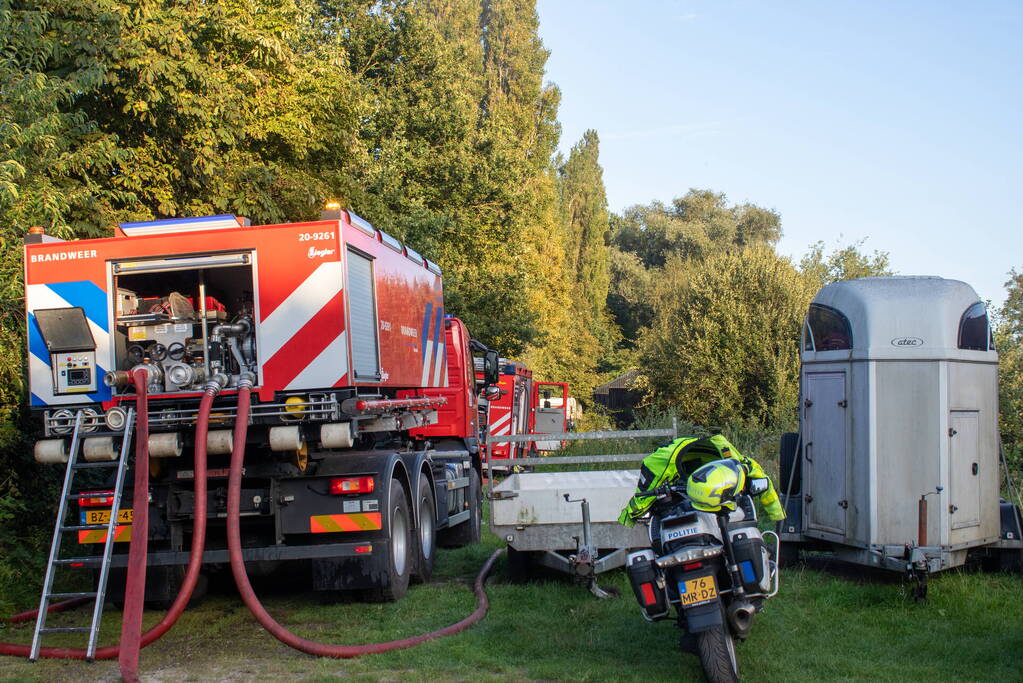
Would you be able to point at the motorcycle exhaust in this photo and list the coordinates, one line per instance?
(740, 617)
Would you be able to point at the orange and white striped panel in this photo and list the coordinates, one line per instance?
(122, 533)
(357, 521)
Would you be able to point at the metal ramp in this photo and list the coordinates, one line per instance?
(61, 527)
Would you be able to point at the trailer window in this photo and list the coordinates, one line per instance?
(974, 332)
(829, 329)
(362, 317)
(807, 337)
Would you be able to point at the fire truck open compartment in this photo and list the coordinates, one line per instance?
(160, 305)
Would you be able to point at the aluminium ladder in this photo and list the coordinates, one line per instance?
(61, 528)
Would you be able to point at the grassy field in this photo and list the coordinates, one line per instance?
(822, 626)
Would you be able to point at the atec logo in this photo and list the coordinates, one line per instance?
(907, 341)
(318, 253)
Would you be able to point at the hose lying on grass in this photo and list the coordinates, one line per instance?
(128, 650)
(234, 486)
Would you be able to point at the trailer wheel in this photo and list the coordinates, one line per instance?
(788, 554)
(426, 536)
(399, 548)
(520, 565)
(469, 531)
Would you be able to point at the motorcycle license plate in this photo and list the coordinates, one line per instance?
(676, 532)
(697, 591)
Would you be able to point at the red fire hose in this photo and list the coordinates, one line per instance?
(31, 614)
(194, 560)
(131, 641)
(234, 486)
(138, 551)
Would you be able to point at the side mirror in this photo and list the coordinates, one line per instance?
(490, 366)
(758, 486)
(492, 392)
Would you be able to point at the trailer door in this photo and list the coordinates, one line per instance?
(964, 461)
(825, 451)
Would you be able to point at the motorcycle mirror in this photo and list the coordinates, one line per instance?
(758, 486)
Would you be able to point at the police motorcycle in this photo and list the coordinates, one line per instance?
(709, 561)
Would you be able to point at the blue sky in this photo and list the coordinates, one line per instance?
(897, 122)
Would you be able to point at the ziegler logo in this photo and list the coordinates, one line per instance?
(908, 341)
(316, 253)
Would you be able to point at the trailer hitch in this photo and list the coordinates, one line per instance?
(584, 561)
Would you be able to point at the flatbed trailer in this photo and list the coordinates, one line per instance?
(568, 521)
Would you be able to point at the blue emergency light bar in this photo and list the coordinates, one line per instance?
(170, 225)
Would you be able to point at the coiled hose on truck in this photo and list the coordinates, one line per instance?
(234, 487)
(141, 536)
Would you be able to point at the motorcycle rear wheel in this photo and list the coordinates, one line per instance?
(716, 648)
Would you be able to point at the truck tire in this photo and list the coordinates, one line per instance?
(426, 532)
(399, 548)
(469, 531)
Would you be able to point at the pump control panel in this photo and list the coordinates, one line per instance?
(72, 349)
(74, 373)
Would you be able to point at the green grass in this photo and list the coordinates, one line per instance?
(820, 627)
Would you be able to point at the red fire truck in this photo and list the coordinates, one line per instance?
(364, 426)
(524, 406)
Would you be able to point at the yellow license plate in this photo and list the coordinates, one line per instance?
(103, 516)
(697, 591)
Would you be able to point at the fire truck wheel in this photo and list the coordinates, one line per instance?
(400, 546)
(469, 531)
(426, 533)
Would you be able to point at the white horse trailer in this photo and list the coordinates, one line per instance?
(896, 463)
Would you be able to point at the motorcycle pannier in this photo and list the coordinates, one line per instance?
(748, 547)
(647, 584)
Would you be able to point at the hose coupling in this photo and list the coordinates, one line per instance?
(215, 384)
(246, 380)
(117, 379)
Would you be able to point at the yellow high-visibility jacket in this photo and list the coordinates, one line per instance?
(681, 458)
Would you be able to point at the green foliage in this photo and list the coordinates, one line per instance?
(1009, 342)
(693, 227)
(723, 346)
(581, 341)
(843, 263)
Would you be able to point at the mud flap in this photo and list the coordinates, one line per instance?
(352, 573)
(703, 617)
(362, 572)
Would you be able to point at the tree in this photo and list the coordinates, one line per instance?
(588, 336)
(1009, 342)
(692, 229)
(844, 263)
(723, 345)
